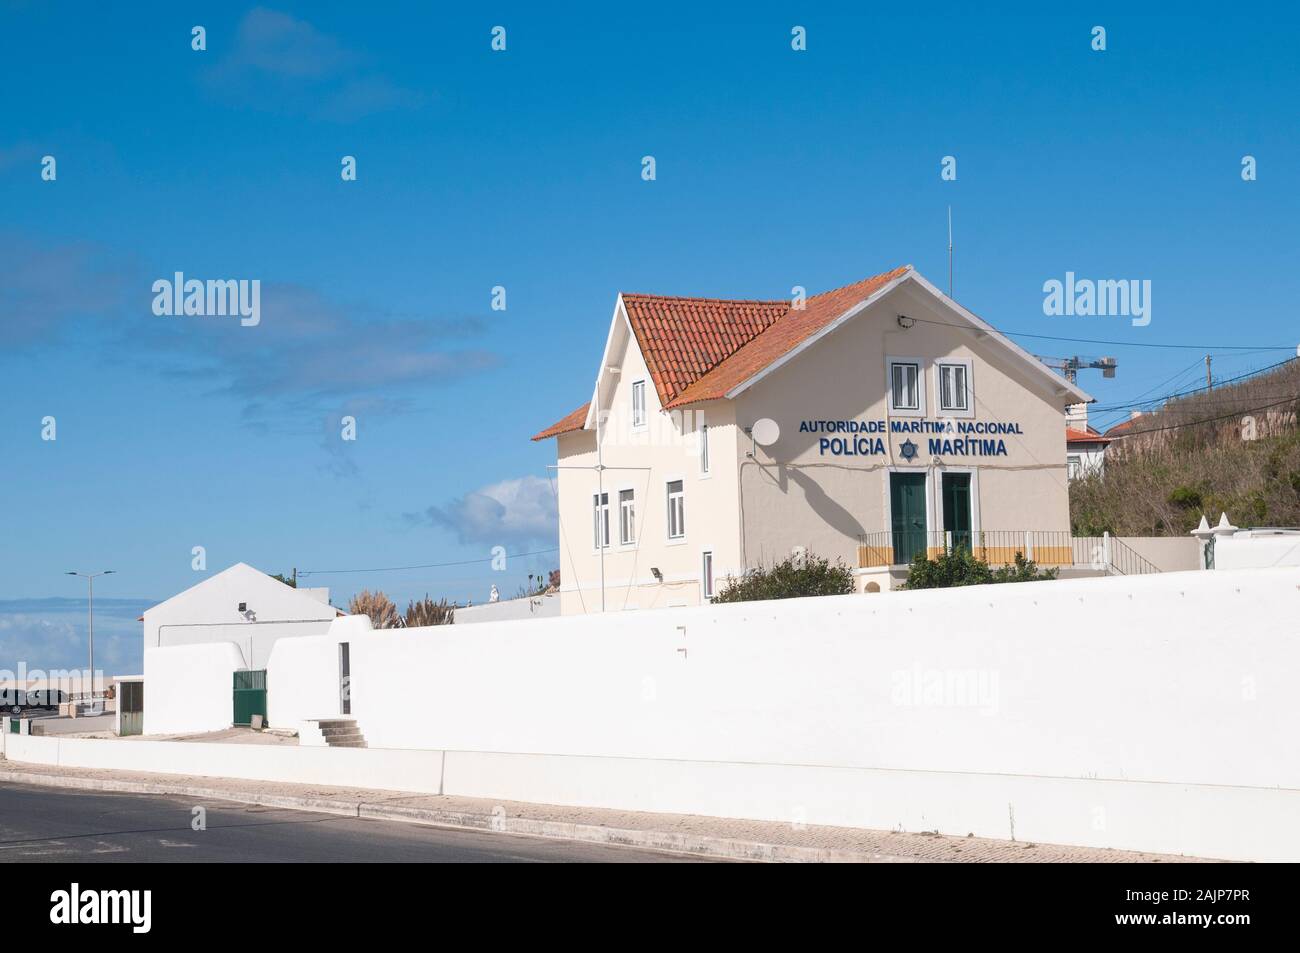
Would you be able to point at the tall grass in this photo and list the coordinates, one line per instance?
(1233, 449)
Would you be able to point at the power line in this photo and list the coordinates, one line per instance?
(1049, 337)
(462, 562)
(1194, 390)
(1138, 399)
(1210, 420)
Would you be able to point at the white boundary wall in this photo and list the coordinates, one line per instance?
(418, 771)
(190, 687)
(1200, 820)
(1152, 713)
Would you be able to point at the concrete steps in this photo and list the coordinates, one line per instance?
(342, 733)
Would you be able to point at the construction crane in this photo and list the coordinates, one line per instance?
(1069, 366)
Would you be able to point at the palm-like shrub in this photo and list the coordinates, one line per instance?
(428, 612)
(380, 608)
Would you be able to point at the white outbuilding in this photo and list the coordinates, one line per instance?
(239, 605)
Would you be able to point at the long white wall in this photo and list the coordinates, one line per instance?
(1152, 712)
(1181, 676)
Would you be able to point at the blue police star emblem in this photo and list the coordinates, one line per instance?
(908, 449)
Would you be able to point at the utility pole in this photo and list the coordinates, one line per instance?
(90, 579)
(1209, 381)
(295, 577)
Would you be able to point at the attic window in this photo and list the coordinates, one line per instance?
(638, 404)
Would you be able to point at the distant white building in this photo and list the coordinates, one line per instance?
(239, 605)
(1264, 547)
(537, 606)
(1085, 448)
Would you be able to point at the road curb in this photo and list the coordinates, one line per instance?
(720, 848)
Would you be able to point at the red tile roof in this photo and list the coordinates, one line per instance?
(701, 348)
(1084, 436)
(794, 327)
(682, 339)
(568, 424)
(1122, 429)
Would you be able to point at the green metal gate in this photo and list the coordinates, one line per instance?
(250, 695)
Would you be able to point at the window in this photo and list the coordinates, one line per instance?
(638, 404)
(704, 448)
(953, 387)
(626, 517)
(905, 390)
(600, 509)
(676, 510)
(706, 575)
(1073, 466)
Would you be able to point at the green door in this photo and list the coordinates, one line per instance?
(250, 695)
(130, 704)
(956, 509)
(907, 512)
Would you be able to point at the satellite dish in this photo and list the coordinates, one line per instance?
(765, 432)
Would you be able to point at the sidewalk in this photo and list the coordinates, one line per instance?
(721, 838)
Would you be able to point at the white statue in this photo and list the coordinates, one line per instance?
(494, 595)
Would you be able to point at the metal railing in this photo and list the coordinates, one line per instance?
(998, 547)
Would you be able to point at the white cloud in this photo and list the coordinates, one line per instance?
(514, 511)
(51, 634)
(284, 64)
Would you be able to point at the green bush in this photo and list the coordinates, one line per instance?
(793, 577)
(959, 567)
(1187, 497)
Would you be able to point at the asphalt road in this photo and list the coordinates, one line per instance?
(52, 825)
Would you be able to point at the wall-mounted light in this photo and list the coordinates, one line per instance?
(654, 571)
(905, 322)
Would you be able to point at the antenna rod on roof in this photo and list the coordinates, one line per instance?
(949, 251)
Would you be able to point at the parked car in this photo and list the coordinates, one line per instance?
(18, 701)
(46, 698)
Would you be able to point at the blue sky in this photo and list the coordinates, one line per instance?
(522, 168)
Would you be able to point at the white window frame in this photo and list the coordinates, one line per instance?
(627, 523)
(1073, 466)
(969, 410)
(668, 510)
(597, 510)
(704, 450)
(638, 405)
(707, 588)
(919, 409)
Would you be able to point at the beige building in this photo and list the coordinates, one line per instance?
(864, 424)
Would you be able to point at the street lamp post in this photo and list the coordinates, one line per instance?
(90, 580)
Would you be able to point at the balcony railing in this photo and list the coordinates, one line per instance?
(1049, 548)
